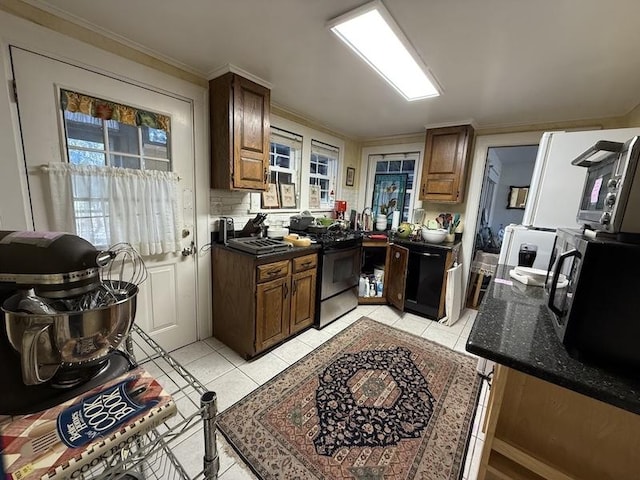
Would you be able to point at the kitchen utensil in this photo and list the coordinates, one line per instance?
(30, 303)
(72, 339)
(124, 273)
(404, 230)
(418, 215)
(254, 226)
(277, 232)
(434, 236)
(367, 220)
(300, 222)
(433, 225)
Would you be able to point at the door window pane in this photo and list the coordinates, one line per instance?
(86, 157)
(157, 165)
(155, 143)
(83, 130)
(125, 162)
(123, 138)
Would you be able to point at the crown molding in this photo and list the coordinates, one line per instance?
(468, 121)
(229, 67)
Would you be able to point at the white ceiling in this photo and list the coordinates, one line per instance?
(500, 62)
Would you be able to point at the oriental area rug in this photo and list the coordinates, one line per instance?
(372, 403)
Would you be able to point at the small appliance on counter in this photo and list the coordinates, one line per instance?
(340, 209)
(610, 200)
(596, 314)
(527, 254)
(226, 229)
(66, 308)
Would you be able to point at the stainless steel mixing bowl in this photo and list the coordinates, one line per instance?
(48, 342)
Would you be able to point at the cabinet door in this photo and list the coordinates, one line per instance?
(251, 124)
(445, 158)
(396, 275)
(303, 300)
(272, 312)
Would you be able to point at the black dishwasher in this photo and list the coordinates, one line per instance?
(425, 274)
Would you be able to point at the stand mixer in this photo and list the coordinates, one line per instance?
(64, 316)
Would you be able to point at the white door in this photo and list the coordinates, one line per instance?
(166, 302)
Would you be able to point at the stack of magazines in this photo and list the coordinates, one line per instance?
(54, 443)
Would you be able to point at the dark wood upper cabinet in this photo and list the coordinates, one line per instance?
(240, 129)
(446, 158)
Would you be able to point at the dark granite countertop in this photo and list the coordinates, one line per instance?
(409, 242)
(514, 328)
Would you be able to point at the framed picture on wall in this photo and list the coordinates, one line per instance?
(288, 195)
(351, 175)
(270, 197)
(314, 196)
(518, 197)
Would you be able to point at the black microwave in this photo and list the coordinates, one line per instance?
(593, 294)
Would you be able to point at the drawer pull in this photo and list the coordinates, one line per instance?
(274, 272)
(306, 264)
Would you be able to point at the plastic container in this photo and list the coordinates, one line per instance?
(363, 287)
(381, 222)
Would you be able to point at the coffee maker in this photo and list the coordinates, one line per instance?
(64, 317)
(527, 254)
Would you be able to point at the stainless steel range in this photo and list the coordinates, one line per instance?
(339, 270)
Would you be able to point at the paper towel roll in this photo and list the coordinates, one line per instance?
(395, 220)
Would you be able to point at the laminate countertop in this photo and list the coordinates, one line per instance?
(514, 328)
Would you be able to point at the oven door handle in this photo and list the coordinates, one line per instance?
(556, 279)
(588, 158)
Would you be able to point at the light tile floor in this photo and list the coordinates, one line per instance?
(223, 371)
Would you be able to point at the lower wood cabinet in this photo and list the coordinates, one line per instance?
(258, 303)
(537, 430)
(402, 270)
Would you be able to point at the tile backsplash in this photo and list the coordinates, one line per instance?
(226, 203)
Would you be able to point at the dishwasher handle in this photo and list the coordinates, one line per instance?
(427, 254)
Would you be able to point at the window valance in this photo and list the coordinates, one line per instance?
(107, 110)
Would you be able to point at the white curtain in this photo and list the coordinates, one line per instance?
(107, 205)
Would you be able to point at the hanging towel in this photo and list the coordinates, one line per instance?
(453, 296)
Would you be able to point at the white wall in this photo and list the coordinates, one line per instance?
(14, 200)
(516, 175)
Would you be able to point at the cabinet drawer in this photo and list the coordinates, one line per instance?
(305, 263)
(273, 270)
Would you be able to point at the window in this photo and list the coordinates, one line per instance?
(95, 141)
(322, 170)
(102, 133)
(300, 158)
(285, 153)
(397, 164)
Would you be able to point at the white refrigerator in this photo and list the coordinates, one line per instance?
(554, 192)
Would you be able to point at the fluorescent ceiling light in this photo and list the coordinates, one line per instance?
(372, 33)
